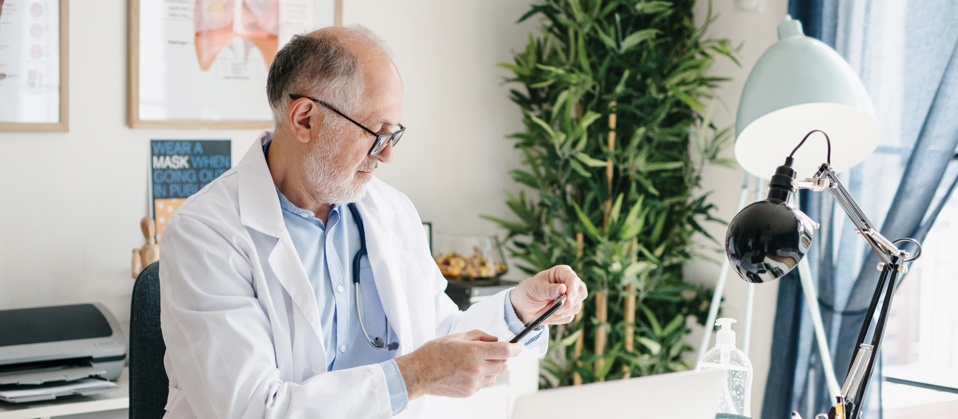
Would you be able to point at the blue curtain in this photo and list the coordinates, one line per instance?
(906, 54)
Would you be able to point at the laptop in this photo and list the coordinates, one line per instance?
(679, 395)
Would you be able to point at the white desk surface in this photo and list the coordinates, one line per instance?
(118, 398)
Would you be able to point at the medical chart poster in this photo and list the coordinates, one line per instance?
(204, 63)
(179, 169)
(32, 61)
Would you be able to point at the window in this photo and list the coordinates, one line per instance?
(921, 339)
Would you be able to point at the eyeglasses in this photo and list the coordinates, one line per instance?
(381, 139)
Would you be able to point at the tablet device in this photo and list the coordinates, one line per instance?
(542, 318)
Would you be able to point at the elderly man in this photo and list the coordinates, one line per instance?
(299, 285)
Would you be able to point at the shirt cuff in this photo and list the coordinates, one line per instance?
(398, 397)
(515, 325)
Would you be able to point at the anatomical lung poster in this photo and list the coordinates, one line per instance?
(29, 62)
(207, 61)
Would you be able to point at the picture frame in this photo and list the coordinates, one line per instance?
(427, 229)
(200, 66)
(24, 77)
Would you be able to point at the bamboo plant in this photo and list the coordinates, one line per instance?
(613, 96)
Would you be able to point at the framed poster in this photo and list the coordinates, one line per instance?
(179, 169)
(204, 63)
(34, 66)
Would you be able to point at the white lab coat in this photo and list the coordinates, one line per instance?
(241, 322)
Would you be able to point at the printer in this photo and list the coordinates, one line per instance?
(45, 347)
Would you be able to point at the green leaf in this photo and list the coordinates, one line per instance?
(576, 10)
(674, 325)
(589, 227)
(558, 137)
(525, 178)
(589, 161)
(508, 225)
(514, 68)
(579, 169)
(653, 167)
(609, 361)
(583, 57)
(657, 230)
(688, 100)
(634, 212)
(653, 322)
(606, 39)
(653, 346)
(560, 101)
(638, 268)
(542, 84)
(653, 7)
(616, 207)
(588, 119)
(619, 88)
(568, 340)
(543, 124)
(637, 37)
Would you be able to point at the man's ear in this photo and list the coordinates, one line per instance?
(302, 119)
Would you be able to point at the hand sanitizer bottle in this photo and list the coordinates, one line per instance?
(737, 392)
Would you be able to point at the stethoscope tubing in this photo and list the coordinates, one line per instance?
(385, 346)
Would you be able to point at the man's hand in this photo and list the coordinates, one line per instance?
(534, 295)
(456, 365)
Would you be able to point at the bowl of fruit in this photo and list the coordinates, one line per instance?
(470, 258)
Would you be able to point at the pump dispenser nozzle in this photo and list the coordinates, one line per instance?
(725, 336)
(736, 393)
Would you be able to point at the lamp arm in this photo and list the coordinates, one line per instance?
(827, 179)
(893, 258)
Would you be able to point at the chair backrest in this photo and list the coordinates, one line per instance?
(149, 385)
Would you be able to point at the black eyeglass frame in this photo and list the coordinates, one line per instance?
(381, 139)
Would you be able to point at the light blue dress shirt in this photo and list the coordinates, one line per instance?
(327, 253)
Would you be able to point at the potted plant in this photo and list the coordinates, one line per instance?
(613, 94)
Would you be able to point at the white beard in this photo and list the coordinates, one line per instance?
(335, 187)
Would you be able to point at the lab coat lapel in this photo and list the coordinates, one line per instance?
(260, 210)
(387, 253)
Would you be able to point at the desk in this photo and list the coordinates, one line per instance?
(118, 398)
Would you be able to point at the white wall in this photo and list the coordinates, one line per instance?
(71, 202)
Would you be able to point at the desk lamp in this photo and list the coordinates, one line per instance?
(769, 238)
(798, 85)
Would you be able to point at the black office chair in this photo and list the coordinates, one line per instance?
(149, 385)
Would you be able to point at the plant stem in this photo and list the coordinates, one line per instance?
(601, 316)
(601, 299)
(609, 167)
(630, 311)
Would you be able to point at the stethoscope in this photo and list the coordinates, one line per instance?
(376, 342)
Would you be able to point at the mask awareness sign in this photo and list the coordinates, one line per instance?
(179, 169)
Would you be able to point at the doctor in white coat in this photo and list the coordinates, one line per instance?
(252, 299)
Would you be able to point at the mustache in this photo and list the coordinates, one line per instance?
(368, 167)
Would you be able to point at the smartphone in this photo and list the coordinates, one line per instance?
(542, 318)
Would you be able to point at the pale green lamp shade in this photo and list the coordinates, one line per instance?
(798, 85)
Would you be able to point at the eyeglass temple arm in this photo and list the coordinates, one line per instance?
(294, 97)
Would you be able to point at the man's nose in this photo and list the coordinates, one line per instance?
(386, 155)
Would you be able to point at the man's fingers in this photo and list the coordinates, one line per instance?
(497, 366)
(581, 293)
(548, 291)
(478, 335)
(500, 350)
(575, 288)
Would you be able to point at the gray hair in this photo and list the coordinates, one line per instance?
(321, 65)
